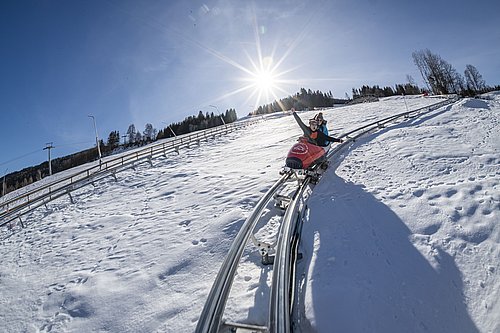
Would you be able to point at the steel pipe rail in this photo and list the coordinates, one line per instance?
(368, 127)
(25, 202)
(280, 301)
(211, 316)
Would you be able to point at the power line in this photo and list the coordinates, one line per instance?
(75, 143)
(38, 150)
(20, 157)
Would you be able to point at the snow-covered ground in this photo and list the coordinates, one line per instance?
(402, 233)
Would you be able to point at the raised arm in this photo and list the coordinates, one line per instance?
(303, 127)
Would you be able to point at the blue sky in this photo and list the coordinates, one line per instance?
(138, 62)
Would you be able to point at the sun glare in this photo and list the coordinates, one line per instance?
(264, 81)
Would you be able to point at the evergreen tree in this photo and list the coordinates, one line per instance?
(137, 138)
(149, 132)
(131, 134)
(113, 139)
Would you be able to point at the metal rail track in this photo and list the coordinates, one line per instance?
(284, 264)
(25, 202)
(282, 289)
(360, 131)
(211, 317)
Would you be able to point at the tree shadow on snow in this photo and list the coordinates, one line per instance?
(364, 273)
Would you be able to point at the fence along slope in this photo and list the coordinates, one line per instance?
(25, 202)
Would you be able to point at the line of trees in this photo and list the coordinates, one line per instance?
(133, 138)
(196, 123)
(308, 99)
(26, 176)
(376, 91)
(303, 100)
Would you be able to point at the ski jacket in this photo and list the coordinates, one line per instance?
(316, 137)
(323, 129)
(321, 123)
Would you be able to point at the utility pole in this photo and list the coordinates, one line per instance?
(404, 98)
(4, 188)
(48, 147)
(96, 139)
(218, 112)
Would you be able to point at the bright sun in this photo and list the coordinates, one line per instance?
(264, 80)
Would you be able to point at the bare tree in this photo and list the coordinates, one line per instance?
(454, 81)
(439, 76)
(420, 60)
(410, 80)
(473, 79)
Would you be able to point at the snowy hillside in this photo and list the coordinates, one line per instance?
(402, 233)
(409, 233)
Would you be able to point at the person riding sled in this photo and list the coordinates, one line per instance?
(313, 134)
(321, 123)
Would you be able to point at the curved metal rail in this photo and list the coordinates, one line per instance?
(382, 122)
(211, 316)
(282, 292)
(280, 302)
